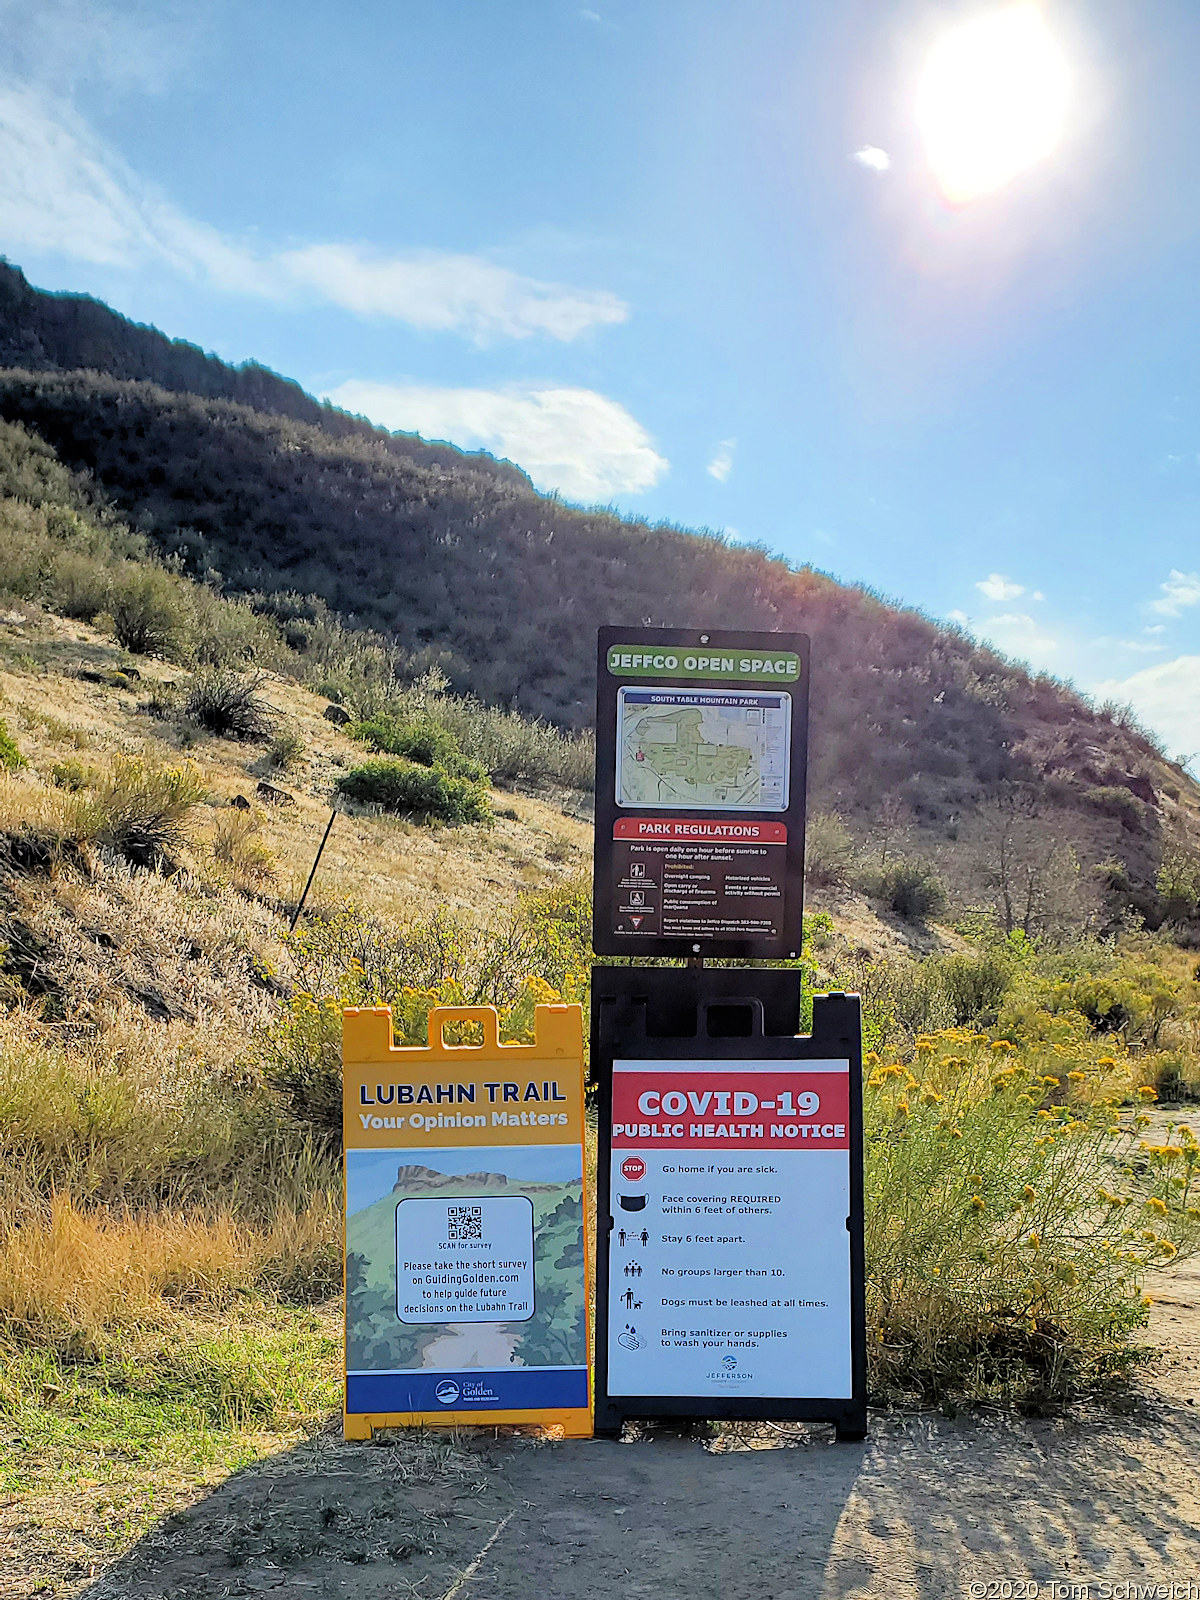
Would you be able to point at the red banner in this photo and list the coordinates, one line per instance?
(705, 828)
(746, 1109)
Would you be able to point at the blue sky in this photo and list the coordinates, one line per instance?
(638, 248)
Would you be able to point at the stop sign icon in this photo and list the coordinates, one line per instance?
(633, 1168)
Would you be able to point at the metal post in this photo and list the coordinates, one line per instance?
(313, 873)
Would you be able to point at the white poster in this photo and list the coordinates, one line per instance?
(465, 1259)
(729, 1255)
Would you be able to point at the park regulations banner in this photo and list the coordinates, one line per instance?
(466, 1236)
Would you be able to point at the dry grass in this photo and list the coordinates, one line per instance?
(78, 1282)
(387, 865)
(237, 845)
(56, 813)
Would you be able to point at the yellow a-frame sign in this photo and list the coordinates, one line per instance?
(467, 1228)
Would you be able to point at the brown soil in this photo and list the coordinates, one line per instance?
(928, 1506)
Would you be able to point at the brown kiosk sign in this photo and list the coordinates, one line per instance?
(701, 747)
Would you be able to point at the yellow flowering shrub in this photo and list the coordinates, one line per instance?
(1002, 1256)
(350, 959)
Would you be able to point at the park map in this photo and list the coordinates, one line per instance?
(703, 750)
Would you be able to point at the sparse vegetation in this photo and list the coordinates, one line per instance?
(828, 851)
(912, 715)
(228, 704)
(236, 843)
(286, 750)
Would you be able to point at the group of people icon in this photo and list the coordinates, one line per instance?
(632, 1270)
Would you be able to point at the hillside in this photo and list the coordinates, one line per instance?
(916, 731)
(48, 332)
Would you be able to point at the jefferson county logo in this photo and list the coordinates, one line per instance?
(729, 1372)
(447, 1392)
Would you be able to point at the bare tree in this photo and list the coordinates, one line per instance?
(1031, 871)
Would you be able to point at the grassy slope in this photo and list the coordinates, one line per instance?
(95, 1453)
(383, 863)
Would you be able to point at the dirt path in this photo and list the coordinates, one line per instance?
(927, 1507)
(466, 1344)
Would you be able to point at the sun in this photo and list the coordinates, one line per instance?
(992, 100)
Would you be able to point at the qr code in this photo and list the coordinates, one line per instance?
(464, 1222)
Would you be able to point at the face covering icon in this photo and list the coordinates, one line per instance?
(632, 1202)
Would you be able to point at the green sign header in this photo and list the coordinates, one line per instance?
(726, 666)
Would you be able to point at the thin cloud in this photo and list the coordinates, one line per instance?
(872, 157)
(449, 292)
(575, 441)
(999, 588)
(1019, 635)
(1167, 697)
(1179, 592)
(137, 45)
(721, 464)
(63, 190)
(1140, 647)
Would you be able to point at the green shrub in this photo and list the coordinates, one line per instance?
(1178, 883)
(228, 632)
(900, 998)
(286, 750)
(1010, 1220)
(79, 584)
(406, 786)
(422, 740)
(11, 758)
(504, 743)
(975, 986)
(909, 887)
(72, 775)
(539, 954)
(142, 811)
(149, 611)
(227, 704)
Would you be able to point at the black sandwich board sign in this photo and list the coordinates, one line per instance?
(701, 749)
(730, 1278)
